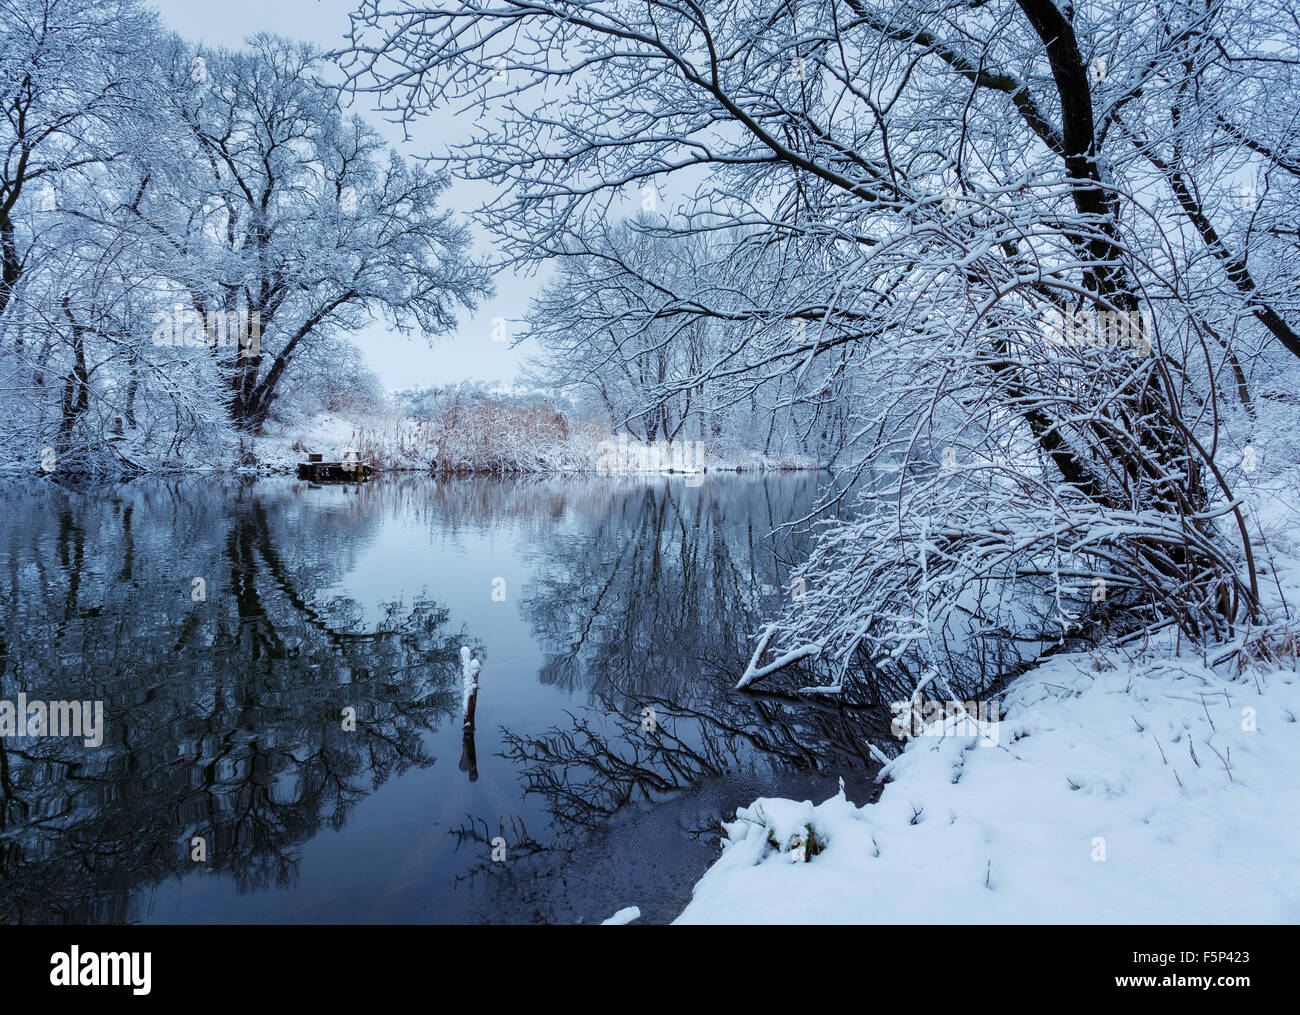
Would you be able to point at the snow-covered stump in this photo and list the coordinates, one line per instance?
(469, 668)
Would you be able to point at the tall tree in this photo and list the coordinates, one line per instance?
(306, 223)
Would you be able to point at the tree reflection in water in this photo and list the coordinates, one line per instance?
(653, 613)
(223, 717)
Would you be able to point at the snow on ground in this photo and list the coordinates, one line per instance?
(325, 434)
(1151, 791)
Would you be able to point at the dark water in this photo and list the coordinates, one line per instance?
(223, 712)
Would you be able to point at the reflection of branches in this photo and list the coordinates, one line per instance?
(518, 844)
(653, 608)
(665, 580)
(605, 760)
(585, 779)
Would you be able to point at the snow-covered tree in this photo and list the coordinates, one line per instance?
(182, 231)
(993, 215)
(300, 218)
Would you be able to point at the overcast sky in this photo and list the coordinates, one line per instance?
(400, 361)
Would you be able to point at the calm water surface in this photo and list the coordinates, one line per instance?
(608, 744)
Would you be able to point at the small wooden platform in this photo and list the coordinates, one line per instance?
(334, 472)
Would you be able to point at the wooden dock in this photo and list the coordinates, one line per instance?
(318, 471)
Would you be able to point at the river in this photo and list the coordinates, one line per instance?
(227, 626)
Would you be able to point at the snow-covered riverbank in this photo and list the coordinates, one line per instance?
(1130, 785)
(506, 442)
(1144, 791)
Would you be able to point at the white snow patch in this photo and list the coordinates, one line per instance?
(1121, 792)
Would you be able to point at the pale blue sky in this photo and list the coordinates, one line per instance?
(400, 361)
